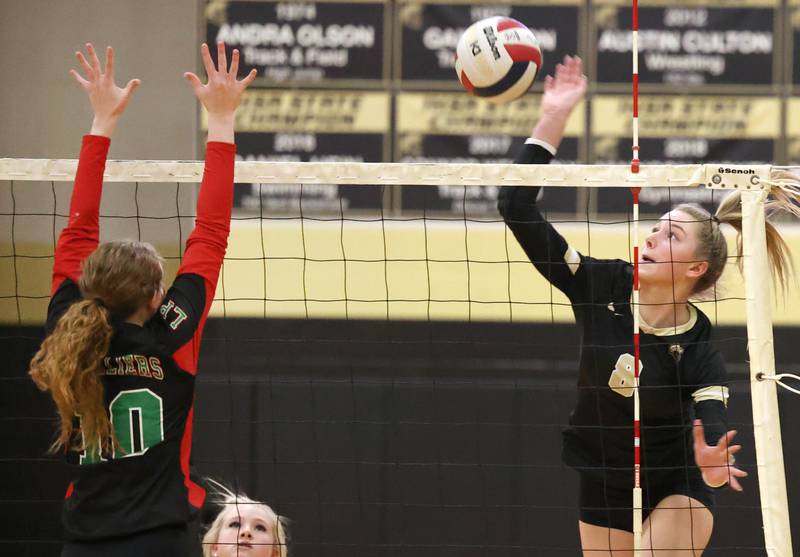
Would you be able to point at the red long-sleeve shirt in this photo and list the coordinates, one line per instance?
(149, 371)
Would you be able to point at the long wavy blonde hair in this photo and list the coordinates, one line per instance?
(116, 280)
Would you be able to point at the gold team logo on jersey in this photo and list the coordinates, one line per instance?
(622, 380)
(134, 364)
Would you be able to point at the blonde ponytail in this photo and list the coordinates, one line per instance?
(713, 248)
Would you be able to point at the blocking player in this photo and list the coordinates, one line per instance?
(120, 355)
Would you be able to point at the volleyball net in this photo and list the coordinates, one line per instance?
(397, 380)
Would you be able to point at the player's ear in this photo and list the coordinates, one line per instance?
(697, 269)
(155, 302)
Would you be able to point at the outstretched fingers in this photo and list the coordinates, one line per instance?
(132, 85)
(733, 478)
(110, 62)
(82, 82)
(726, 439)
(577, 69)
(193, 80)
(248, 79)
(208, 64)
(560, 71)
(93, 59)
(87, 69)
(732, 450)
(234, 63)
(222, 58)
(698, 432)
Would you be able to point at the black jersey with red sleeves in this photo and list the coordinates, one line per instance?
(149, 371)
(144, 483)
(682, 375)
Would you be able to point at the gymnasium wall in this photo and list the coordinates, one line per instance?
(384, 438)
(448, 270)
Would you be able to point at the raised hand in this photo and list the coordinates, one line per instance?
(562, 93)
(107, 99)
(566, 89)
(716, 463)
(223, 92)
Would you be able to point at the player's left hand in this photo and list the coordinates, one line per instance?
(717, 462)
(223, 92)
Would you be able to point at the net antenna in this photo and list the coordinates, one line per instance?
(637, 440)
(766, 419)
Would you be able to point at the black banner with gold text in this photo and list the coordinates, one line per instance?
(722, 42)
(456, 128)
(316, 126)
(304, 42)
(429, 33)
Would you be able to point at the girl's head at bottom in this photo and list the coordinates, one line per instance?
(244, 526)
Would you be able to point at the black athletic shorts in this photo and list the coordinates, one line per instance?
(603, 503)
(177, 541)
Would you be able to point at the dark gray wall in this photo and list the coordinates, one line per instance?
(382, 439)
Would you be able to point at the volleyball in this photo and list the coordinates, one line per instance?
(497, 59)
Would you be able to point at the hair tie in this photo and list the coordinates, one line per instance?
(715, 218)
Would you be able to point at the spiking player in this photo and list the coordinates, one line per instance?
(682, 376)
(121, 354)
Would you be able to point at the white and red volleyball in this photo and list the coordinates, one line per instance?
(497, 59)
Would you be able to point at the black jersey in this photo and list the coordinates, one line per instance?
(680, 370)
(149, 371)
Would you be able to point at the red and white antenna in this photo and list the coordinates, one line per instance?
(637, 443)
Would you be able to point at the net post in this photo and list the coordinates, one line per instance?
(766, 419)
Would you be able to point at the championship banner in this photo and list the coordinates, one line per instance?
(681, 129)
(303, 126)
(689, 43)
(458, 128)
(312, 43)
(429, 32)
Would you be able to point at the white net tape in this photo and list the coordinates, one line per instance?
(559, 175)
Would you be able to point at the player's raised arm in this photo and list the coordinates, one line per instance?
(220, 96)
(543, 245)
(189, 299)
(80, 237)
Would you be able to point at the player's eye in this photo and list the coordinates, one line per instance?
(234, 524)
(261, 528)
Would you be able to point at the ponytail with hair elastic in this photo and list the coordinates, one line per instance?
(784, 196)
(69, 365)
(713, 248)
